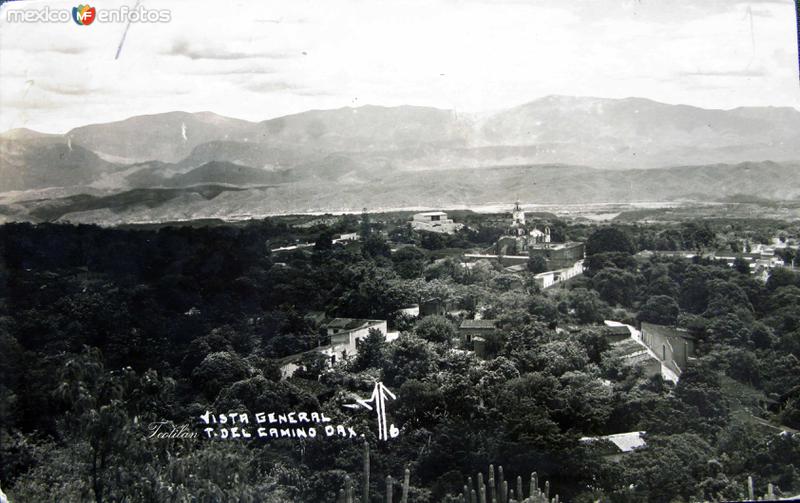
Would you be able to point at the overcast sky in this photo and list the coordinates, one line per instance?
(269, 58)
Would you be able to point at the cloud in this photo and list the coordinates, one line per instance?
(314, 92)
(280, 20)
(39, 46)
(237, 70)
(67, 50)
(283, 86)
(182, 47)
(80, 89)
(725, 73)
(269, 86)
(21, 105)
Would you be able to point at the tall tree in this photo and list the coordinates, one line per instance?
(609, 239)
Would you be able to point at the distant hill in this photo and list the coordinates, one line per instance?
(167, 137)
(629, 133)
(172, 136)
(637, 132)
(134, 205)
(32, 161)
(256, 155)
(557, 148)
(368, 128)
(225, 173)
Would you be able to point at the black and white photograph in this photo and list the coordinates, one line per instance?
(399, 251)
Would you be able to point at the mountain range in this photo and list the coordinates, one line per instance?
(555, 149)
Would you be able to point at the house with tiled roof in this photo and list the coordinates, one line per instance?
(616, 445)
(479, 335)
(471, 328)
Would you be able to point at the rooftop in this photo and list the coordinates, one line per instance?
(640, 357)
(349, 323)
(480, 324)
(625, 442)
(627, 346)
(617, 330)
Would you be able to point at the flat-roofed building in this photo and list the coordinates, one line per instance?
(434, 221)
(558, 255)
(344, 335)
(549, 278)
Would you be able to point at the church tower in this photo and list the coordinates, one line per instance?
(518, 216)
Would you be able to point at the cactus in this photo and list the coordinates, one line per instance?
(501, 483)
(770, 494)
(406, 479)
(499, 490)
(365, 491)
(492, 485)
(348, 489)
